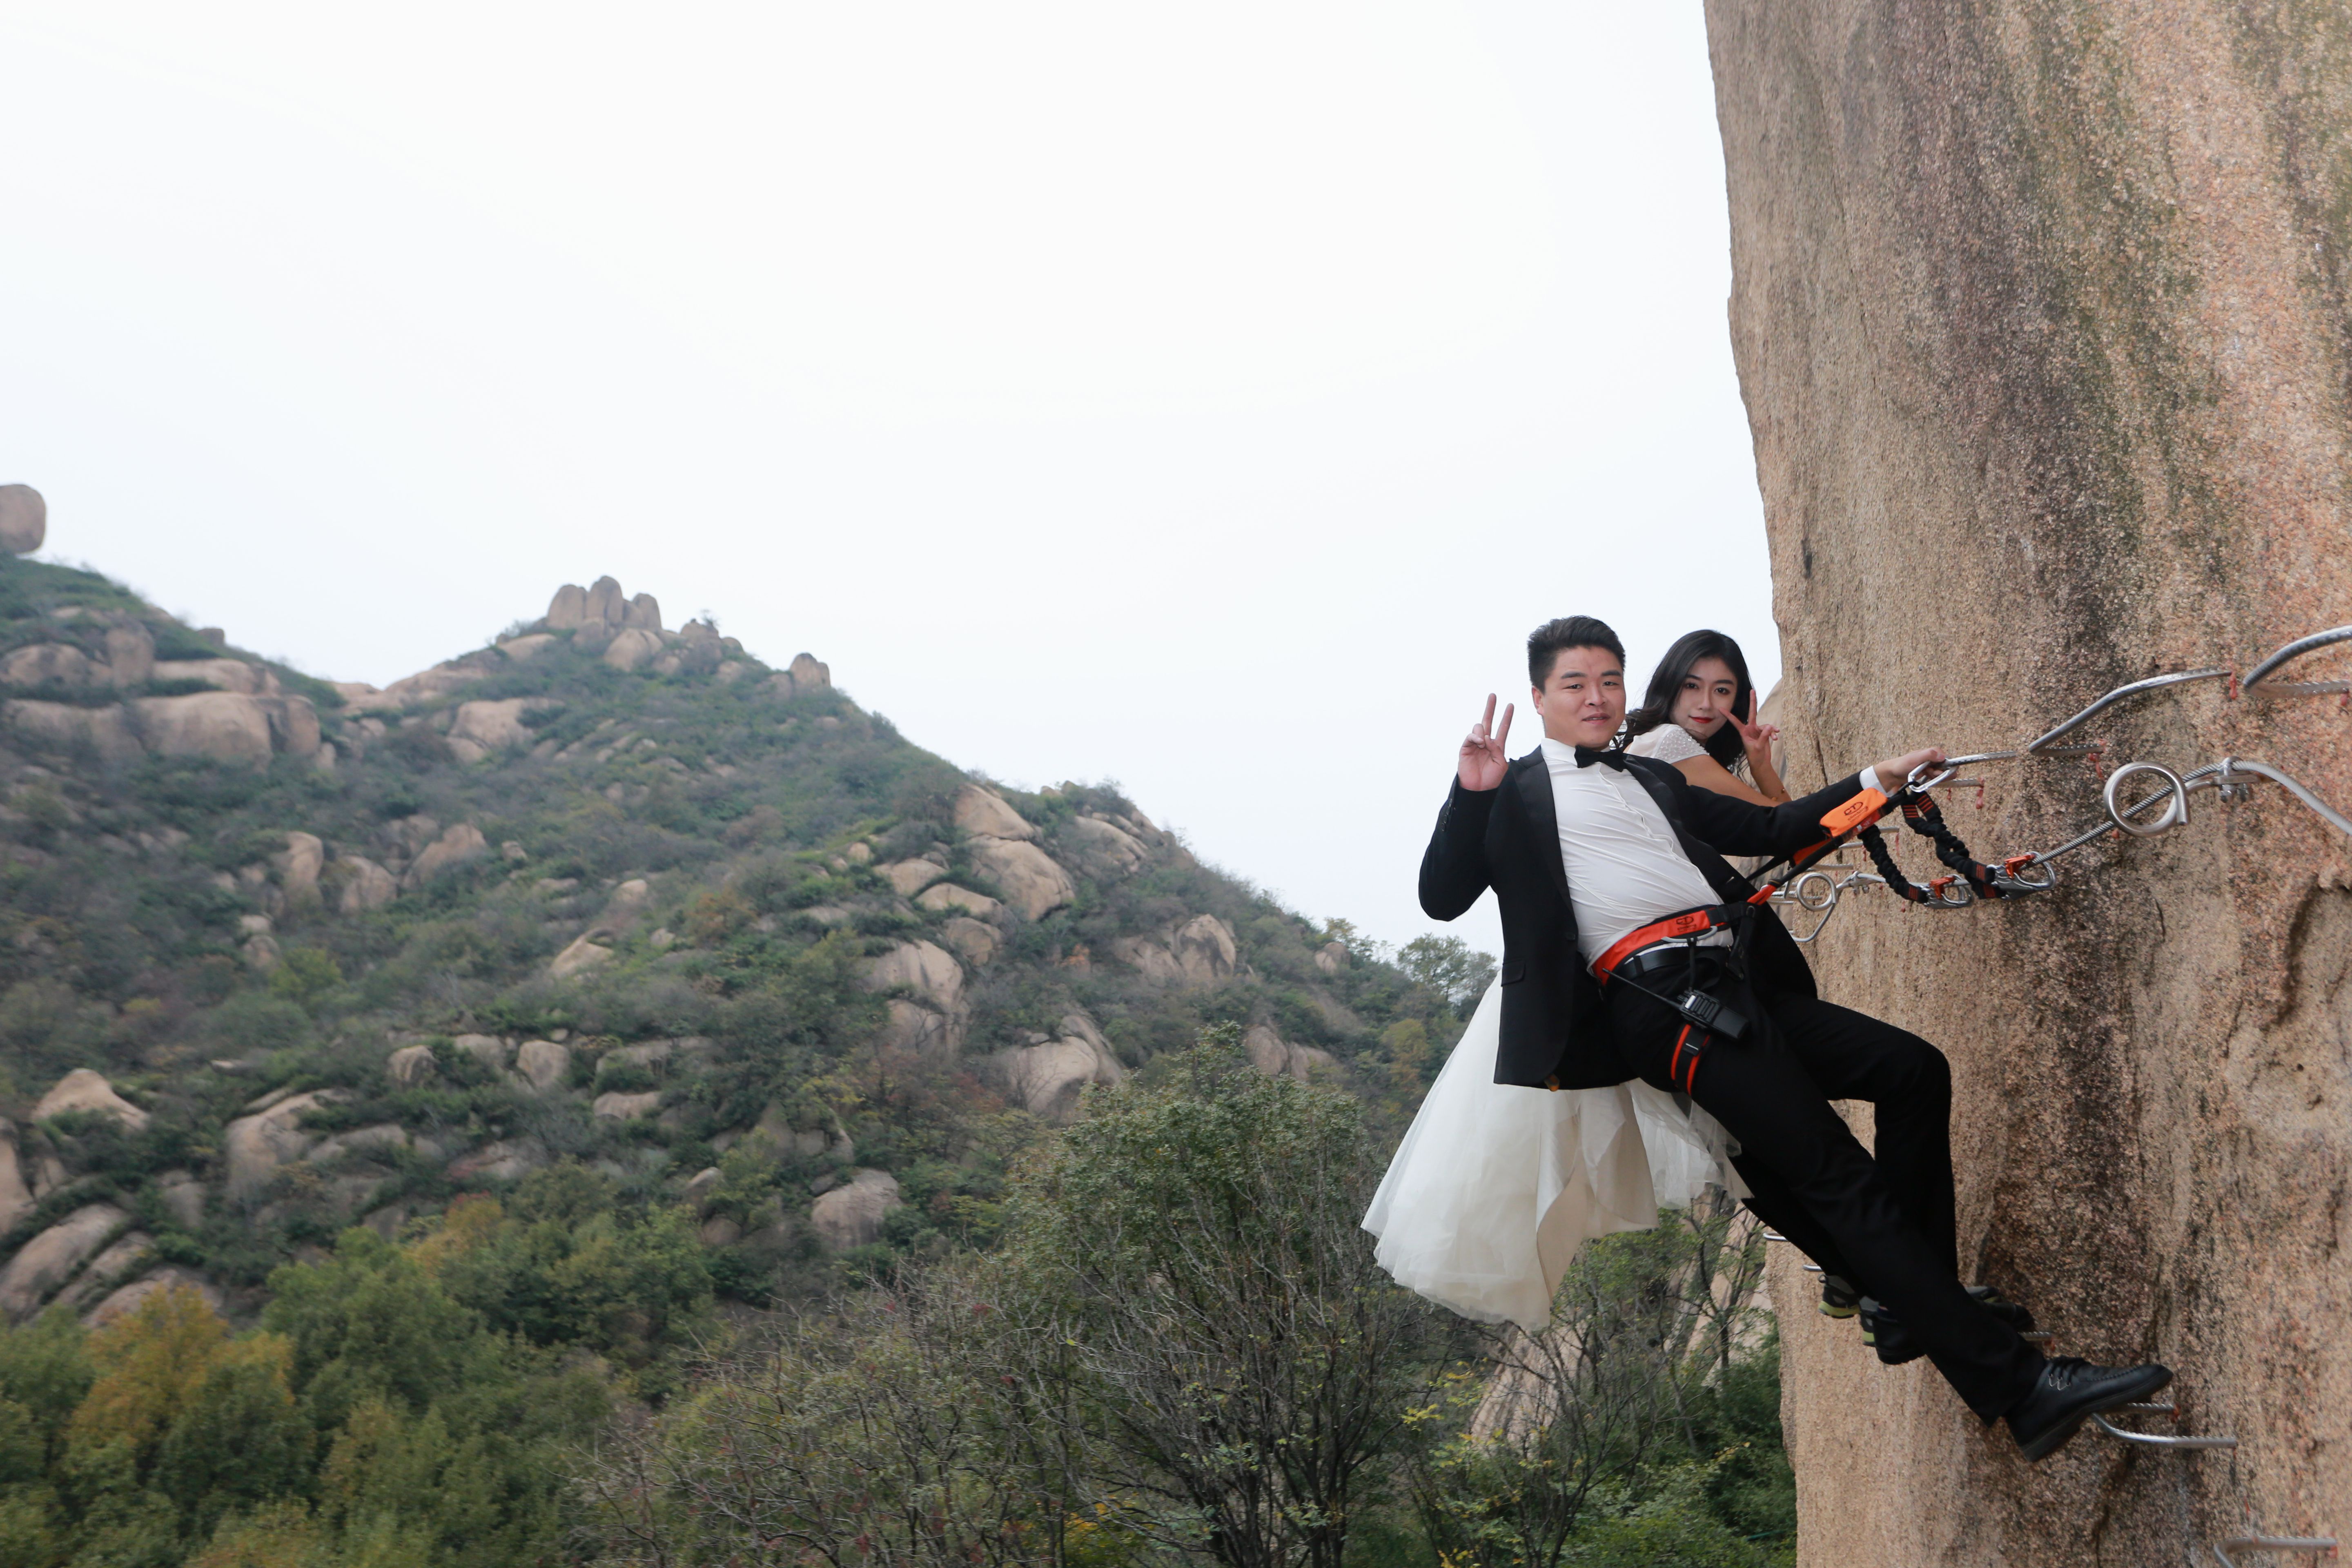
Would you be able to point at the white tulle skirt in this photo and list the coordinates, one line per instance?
(1495, 1187)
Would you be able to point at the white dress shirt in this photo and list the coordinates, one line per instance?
(1625, 869)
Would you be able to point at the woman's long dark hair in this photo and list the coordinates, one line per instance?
(1666, 684)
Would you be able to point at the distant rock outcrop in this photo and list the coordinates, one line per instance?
(23, 519)
(984, 814)
(1047, 1079)
(459, 844)
(1105, 850)
(257, 1144)
(83, 1089)
(481, 729)
(852, 1214)
(919, 967)
(52, 1258)
(1277, 1057)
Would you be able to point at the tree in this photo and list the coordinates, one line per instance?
(1246, 1359)
(1600, 1416)
(1449, 966)
(893, 1433)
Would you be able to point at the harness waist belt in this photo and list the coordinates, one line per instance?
(1687, 926)
(1664, 955)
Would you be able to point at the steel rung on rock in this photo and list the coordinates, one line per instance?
(2317, 1545)
(2157, 1440)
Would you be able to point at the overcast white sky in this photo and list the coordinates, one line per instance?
(1207, 396)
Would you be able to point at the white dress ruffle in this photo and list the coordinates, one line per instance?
(1495, 1187)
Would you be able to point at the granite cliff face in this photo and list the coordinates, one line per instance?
(2040, 316)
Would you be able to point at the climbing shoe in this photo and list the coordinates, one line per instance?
(1839, 1298)
(1882, 1332)
(2071, 1391)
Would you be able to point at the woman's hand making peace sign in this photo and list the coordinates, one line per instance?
(1755, 738)
(1484, 762)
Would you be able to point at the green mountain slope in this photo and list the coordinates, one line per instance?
(278, 958)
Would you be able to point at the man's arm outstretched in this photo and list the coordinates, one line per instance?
(1454, 870)
(1739, 827)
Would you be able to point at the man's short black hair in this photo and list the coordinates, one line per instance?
(1545, 642)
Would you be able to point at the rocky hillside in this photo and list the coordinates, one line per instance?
(279, 957)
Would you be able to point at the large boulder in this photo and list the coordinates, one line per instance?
(568, 609)
(809, 674)
(919, 1031)
(48, 664)
(381, 1138)
(851, 1214)
(1151, 959)
(984, 812)
(293, 725)
(582, 954)
(457, 846)
(481, 729)
(23, 519)
(220, 674)
(620, 1107)
(506, 1160)
(365, 885)
(1048, 1079)
(910, 877)
(605, 607)
(593, 946)
(256, 1145)
(84, 1089)
(1205, 950)
(633, 649)
(132, 1297)
(299, 866)
(975, 941)
(1103, 849)
(543, 1064)
(1032, 883)
(416, 690)
(16, 1197)
(1277, 1057)
(947, 896)
(226, 726)
(129, 652)
(642, 614)
(410, 1066)
(52, 1258)
(104, 733)
(919, 967)
(521, 648)
(123, 1258)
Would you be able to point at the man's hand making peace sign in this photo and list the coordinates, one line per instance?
(1484, 761)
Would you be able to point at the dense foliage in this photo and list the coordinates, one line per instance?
(1182, 1351)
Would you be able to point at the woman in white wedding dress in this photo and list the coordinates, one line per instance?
(1494, 1187)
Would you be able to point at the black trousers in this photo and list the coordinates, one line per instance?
(1884, 1223)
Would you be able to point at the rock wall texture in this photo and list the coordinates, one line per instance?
(2043, 315)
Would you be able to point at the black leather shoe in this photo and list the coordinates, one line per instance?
(1839, 1299)
(2069, 1392)
(1882, 1332)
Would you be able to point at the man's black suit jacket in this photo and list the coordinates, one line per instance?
(1508, 838)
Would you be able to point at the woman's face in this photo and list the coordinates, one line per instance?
(1704, 701)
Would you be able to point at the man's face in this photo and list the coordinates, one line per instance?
(1582, 701)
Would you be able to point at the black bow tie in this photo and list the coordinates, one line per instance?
(1586, 756)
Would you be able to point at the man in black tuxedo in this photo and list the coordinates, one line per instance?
(1590, 851)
